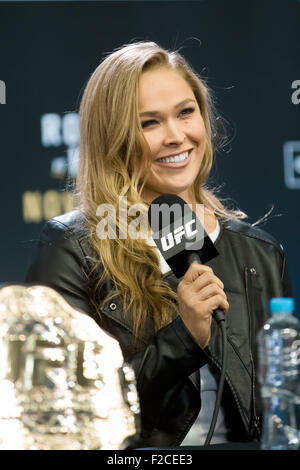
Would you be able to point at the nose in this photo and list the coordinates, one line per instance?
(173, 133)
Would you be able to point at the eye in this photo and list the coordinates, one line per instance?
(187, 111)
(148, 123)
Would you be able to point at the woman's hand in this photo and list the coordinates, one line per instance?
(200, 292)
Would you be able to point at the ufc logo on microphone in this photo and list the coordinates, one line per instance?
(174, 238)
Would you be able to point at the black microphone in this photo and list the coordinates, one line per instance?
(180, 236)
(182, 240)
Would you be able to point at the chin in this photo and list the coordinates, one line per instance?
(180, 189)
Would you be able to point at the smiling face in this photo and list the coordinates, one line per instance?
(175, 132)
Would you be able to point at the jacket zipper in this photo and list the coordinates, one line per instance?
(254, 422)
(238, 355)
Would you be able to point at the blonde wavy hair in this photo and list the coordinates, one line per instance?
(112, 153)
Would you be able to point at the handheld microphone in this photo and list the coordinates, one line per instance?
(180, 236)
(182, 240)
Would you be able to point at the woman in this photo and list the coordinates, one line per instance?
(148, 127)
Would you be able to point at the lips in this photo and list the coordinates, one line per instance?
(175, 165)
(175, 154)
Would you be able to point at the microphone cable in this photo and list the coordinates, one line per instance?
(219, 317)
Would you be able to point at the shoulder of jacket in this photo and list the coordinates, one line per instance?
(250, 231)
(70, 225)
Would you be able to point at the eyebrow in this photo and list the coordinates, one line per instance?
(178, 105)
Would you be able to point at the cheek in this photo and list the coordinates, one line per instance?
(151, 147)
(198, 130)
(154, 142)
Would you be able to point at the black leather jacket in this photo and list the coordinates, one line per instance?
(253, 269)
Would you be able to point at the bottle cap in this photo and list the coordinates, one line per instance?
(282, 305)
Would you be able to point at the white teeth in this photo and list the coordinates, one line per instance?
(178, 158)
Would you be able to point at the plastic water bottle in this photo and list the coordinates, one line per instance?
(279, 377)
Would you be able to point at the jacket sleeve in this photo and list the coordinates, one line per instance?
(169, 358)
(165, 364)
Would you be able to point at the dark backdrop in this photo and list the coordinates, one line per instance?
(247, 50)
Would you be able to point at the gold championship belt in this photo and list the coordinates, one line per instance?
(63, 381)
